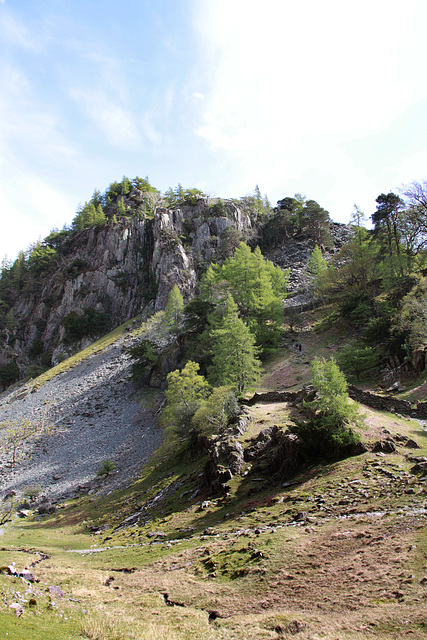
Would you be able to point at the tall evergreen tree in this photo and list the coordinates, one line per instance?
(234, 360)
(174, 308)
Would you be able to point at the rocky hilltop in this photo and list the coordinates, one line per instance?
(119, 270)
(105, 275)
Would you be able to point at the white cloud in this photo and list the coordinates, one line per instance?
(18, 229)
(113, 120)
(293, 81)
(15, 33)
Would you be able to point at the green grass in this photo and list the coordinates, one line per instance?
(245, 557)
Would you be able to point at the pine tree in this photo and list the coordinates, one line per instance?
(174, 308)
(234, 360)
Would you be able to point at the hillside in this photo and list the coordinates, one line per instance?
(336, 550)
(205, 469)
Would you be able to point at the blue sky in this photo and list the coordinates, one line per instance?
(327, 99)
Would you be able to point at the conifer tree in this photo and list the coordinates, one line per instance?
(174, 308)
(234, 360)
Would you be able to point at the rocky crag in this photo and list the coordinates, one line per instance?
(121, 270)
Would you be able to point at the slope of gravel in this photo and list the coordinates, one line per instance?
(98, 417)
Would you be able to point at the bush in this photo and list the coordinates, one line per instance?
(355, 360)
(91, 323)
(9, 373)
(144, 354)
(326, 431)
(214, 414)
(107, 466)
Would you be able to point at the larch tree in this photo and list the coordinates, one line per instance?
(234, 358)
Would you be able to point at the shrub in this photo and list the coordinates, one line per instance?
(326, 431)
(9, 373)
(107, 466)
(91, 323)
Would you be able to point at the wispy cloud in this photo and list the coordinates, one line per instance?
(113, 120)
(17, 34)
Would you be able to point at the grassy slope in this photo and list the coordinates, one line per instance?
(342, 554)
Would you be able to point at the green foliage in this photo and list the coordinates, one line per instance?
(318, 267)
(186, 390)
(297, 216)
(179, 196)
(257, 207)
(218, 209)
(9, 373)
(41, 258)
(59, 240)
(327, 431)
(234, 356)
(258, 288)
(144, 355)
(89, 216)
(107, 466)
(121, 208)
(91, 323)
(174, 309)
(412, 317)
(216, 411)
(354, 360)
(143, 184)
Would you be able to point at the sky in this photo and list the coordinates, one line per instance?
(326, 99)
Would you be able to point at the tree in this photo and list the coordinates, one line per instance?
(234, 356)
(174, 308)
(326, 430)
(41, 258)
(180, 196)
(412, 318)
(14, 434)
(258, 288)
(143, 184)
(107, 466)
(215, 412)
(185, 392)
(355, 360)
(318, 268)
(386, 218)
(314, 222)
(331, 404)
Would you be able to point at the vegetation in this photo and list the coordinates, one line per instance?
(294, 217)
(90, 324)
(15, 434)
(278, 555)
(355, 360)
(107, 466)
(327, 431)
(185, 393)
(234, 356)
(180, 196)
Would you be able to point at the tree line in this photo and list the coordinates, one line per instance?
(378, 284)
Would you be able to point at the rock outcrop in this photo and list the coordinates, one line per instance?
(119, 270)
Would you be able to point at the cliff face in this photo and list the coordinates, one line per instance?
(118, 270)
